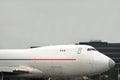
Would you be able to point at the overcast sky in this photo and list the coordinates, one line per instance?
(25, 23)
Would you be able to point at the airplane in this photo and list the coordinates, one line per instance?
(53, 61)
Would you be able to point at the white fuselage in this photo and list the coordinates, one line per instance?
(55, 61)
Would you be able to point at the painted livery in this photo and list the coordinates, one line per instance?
(54, 61)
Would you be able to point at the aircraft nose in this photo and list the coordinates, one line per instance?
(111, 63)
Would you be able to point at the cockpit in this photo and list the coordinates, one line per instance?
(91, 49)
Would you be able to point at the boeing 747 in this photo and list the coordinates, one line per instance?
(53, 61)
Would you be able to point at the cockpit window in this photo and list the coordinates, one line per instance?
(91, 49)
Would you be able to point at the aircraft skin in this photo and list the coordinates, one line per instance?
(53, 61)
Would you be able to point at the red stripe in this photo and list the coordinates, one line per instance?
(53, 59)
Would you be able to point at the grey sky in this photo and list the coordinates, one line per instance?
(24, 23)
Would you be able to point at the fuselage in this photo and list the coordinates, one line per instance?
(57, 61)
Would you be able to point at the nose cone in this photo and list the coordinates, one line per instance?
(102, 63)
(111, 63)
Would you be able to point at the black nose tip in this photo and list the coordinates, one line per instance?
(111, 63)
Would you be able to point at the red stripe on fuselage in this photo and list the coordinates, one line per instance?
(52, 59)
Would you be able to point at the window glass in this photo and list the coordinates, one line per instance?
(91, 49)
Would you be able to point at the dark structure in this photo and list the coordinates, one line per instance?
(110, 49)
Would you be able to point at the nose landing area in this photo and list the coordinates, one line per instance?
(111, 63)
